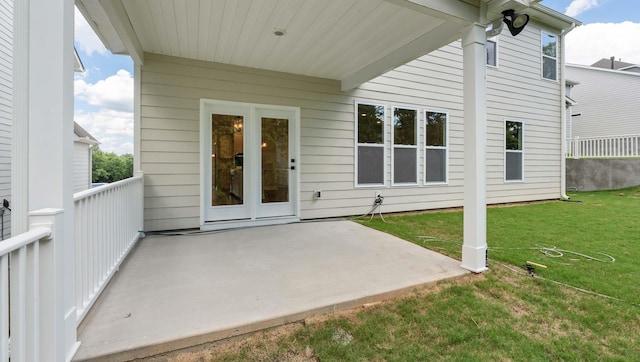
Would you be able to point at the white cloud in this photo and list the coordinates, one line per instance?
(114, 92)
(589, 43)
(112, 124)
(114, 129)
(88, 41)
(579, 6)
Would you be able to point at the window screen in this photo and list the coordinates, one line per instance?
(405, 145)
(370, 165)
(370, 144)
(514, 157)
(435, 157)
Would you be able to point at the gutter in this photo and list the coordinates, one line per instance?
(563, 113)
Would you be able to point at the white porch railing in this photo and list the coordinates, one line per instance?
(108, 222)
(28, 260)
(604, 147)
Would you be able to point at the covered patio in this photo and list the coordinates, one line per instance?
(175, 292)
(370, 38)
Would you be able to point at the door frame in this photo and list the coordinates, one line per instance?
(208, 106)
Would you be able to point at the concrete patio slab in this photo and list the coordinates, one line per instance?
(181, 291)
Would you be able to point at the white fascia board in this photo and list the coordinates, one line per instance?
(120, 20)
(457, 11)
(436, 38)
(494, 8)
(85, 140)
(96, 17)
(603, 70)
(77, 64)
(552, 18)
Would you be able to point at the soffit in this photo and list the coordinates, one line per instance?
(330, 38)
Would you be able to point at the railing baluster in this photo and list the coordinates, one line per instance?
(26, 328)
(33, 298)
(18, 305)
(4, 308)
(108, 216)
(612, 146)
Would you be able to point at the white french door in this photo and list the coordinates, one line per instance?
(249, 162)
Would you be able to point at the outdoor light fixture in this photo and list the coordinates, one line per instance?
(494, 28)
(515, 22)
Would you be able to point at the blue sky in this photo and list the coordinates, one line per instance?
(608, 11)
(104, 93)
(610, 28)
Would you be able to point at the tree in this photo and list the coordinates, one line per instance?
(404, 126)
(370, 123)
(513, 135)
(109, 167)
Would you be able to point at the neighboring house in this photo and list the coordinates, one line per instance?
(608, 101)
(614, 64)
(83, 144)
(251, 113)
(604, 130)
(569, 104)
(6, 112)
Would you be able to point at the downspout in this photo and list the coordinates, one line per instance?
(563, 113)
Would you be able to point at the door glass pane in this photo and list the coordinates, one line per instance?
(275, 160)
(227, 134)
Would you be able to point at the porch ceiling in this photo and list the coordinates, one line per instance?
(348, 40)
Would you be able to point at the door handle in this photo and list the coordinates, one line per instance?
(293, 167)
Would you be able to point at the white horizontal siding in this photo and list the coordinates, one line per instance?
(608, 101)
(6, 108)
(516, 91)
(81, 167)
(172, 88)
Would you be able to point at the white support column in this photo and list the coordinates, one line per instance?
(475, 133)
(137, 89)
(20, 126)
(44, 81)
(50, 308)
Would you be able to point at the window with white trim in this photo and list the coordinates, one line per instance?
(370, 144)
(405, 145)
(436, 149)
(492, 52)
(549, 56)
(513, 151)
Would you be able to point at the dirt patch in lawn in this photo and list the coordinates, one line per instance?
(257, 346)
(279, 342)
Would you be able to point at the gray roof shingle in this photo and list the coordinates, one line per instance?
(606, 63)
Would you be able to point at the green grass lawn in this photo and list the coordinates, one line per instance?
(583, 306)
